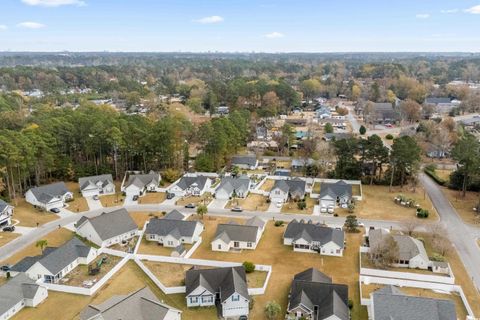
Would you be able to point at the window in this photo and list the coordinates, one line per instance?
(207, 299)
(193, 299)
(170, 243)
(219, 247)
(249, 244)
(151, 237)
(236, 297)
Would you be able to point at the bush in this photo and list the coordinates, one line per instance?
(422, 213)
(429, 171)
(249, 266)
(437, 257)
(278, 223)
(335, 214)
(268, 200)
(350, 303)
(301, 204)
(389, 137)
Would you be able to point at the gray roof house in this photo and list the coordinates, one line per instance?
(282, 190)
(245, 162)
(18, 292)
(391, 303)
(224, 287)
(175, 215)
(194, 185)
(383, 112)
(56, 263)
(49, 196)
(309, 237)
(173, 232)
(6, 212)
(108, 228)
(238, 236)
(230, 186)
(314, 296)
(96, 185)
(138, 184)
(335, 194)
(138, 305)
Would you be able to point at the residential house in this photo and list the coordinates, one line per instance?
(300, 163)
(233, 187)
(336, 123)
(282, 172)
(19, 292)
(107, 229)
(96, 185)
(300, 122)
(49, 196)
(225, 288)
(283, 190)
(261, 133)
(313, 296)
(138, 305)
(323, 112)
(337, 194)
(173, 232)
(139, 184)
(223, 110)
(55, 263)
(175, 215)
(191, 185)
(336, 136)
(390, 303)
(247, 162)
(471, 122)
(383, 113)
(442, 105)
(314, 238)
(237, 236)
(6, 212)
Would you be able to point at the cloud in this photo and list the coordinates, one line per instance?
(54, 3)
(211, 19)
(31, 25)
(274, 35)
(449, 11)
(474, 10)
(422, 16)
(3, 27)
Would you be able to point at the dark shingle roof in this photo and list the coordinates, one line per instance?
(186, 182)
(176, 228)
(437, 100)
(111, 224)
(236, 232)
(15, 290)
(295, 187)
(249, 160)
(314, 232)
(337, 189)
(174, 215)
(47, 192)
(230, 184)
(85, 182)
(3, 205)
(141, 180)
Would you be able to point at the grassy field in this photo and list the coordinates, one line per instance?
(141, 217)
(112, 200)
(267, 185)
(79, 203)
(443, 174)
(203, 199)
(464, 205)
(286, 264)
(6, 237)
(253, 202)
(152, 198)
(292, 207)
(29, 216)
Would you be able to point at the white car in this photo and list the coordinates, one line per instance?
(330, 209)
(279, 204)
(323, 210)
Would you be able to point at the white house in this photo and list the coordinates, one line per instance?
(96, 185)
(107, 229)
(49, 196)
(314, 238)
(236, 236)
(6, 212)
(139, 184)
(283, 190)
(222, 287)
(19, 292)
(338, 194)
(230, 186)
(173, 232)
(191, 185)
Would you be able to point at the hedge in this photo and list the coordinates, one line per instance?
(434, 176)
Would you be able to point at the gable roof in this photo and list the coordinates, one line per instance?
(434, 100)
(389, 303)
(408, 247)
(4, 205)
(187, 181)
(385, 110)
(314, 232)
(92, 181)
(141, 180)
(225, 281)
(236, 232)
(175, 228)
(250, 160)
(231, 184)
(46, 193)
(337, 189)
(174, 215)
(15, 290)
(138, 305)
(295, 187)
(255, 221)
(111, 224)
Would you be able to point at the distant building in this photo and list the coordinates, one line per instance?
(190, 185)
(223, 110)
(96, 185)
(249, 162)
(383, 113)
(139, 184)
(49, 196)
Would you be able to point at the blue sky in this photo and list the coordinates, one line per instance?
(240, 25)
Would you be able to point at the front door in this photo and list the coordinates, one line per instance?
(236, 244)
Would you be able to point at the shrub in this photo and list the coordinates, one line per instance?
(437, 257)
(350, 303)
(422, 213)
(268, 200)
(429, 171)
(249, 266)
(278, 223)
(389, 137)
(301, 204)
(335, 214)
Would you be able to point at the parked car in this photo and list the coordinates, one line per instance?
(135, 198)
(55, 210)
(8, 229)
(243, 318)
(190, 206)
(5, 268)
(237, 209)
(279, 204)
(323, 210)
(330, 209)
(95, 197)
(170, 195)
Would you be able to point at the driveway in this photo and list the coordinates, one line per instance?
(217, 204)
(273, 208)
(93, 204)
(129, 201)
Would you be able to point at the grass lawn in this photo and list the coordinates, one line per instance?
(80, 274)
(54, 239)
(152, 197)
(130, 278)
(203, 199)
(29, 216)
(292, 207)
(283, 164)
(256, 279)
(253, 202)
(6, 237)
(316, 187)
(286, 264)
(378, 204)
(141, 217)
(112, 200)
(79, 203)
(267, 185)
(464, 206)
(153, 248)
(443, 174)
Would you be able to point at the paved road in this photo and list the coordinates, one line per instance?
(461, 235)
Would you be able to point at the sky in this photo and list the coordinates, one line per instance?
(240, 25)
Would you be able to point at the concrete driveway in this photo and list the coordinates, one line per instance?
(217, 204)
(93, 204)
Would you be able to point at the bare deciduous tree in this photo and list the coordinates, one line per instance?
(409, 226)
(385, 252)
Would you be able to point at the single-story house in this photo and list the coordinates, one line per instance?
(283, 190)
(49, 196)
(245, 162)
(471, 122)
(233, 187)
(107, 229)
(173, 232)
(383, 113)
(191, 185)
(282, 172)
(336, 136)
(6, 212)
(390, 303)
(237, 236)
(225, 288)
(19, 292)
(323, 112)
(96, 185)
(336, 123)
(55, 263)
(442, 105)
(139, 184)
(300, 163)
(337, 194)
(313, 296)
(138, 305)
(314, 238)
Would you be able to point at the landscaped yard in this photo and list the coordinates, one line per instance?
(152, 197)
(78, 276)
(112, 200)
(253, 202)
(79, 203)
(256, 279)
(464, 205)
(203, 199)
(29, 216)
(267, 185)
(292, 206)
(6, 237)
(286, 264)
(152, 247)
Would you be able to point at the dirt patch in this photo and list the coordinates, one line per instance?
(203, 199)
(253, 202)
(152, 198)
(78, 276)
(267, 185)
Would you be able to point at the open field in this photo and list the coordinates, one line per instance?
(152, 247)
(29, 216)
(79, 203)
(286, 264)
(443, 174)
(203, 199)
(80, 274)
(253, 202)
(6, 237)
(292, 206)
(152, 197)
(130, 278)
(112, 200)
(464, 205)
(267, 185)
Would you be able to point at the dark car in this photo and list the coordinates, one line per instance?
(190, 206)
(243, 318)
(55, 210)
(135, 198)
(9, 229)
(5, 268)
(170, 195)
(237, 209)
